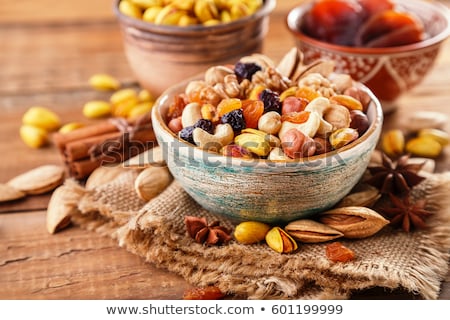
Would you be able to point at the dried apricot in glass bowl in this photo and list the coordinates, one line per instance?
(243, 189)
(389, 71)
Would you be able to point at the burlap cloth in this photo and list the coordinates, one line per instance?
(416, 262)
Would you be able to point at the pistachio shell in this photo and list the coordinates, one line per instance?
(280, 241)
(311, 231)
(354, 222)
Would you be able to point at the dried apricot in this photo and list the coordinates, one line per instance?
(296, 117)
(205, 293)
(337, 252)
(306, 93)
(253, 110)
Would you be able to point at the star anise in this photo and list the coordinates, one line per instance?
(202, 232)
(405, 214)
(397, 178)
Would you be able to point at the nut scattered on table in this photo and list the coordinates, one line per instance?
(354, 222)
(39, 180)
(152, 181)
(9, 193)
(310, 231)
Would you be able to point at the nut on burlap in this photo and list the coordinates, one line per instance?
(416, 262)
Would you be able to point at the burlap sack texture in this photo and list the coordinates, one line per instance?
(416, 262)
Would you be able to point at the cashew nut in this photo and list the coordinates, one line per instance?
(309, 127)
(223, 135)
(191, 114)
(320, 105)
(270, 122)
(277, 154)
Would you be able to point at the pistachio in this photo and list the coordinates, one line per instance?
(33, 137)
(151, 182)
(68, 127)
(96, 109)
(128, 8)
(290, 62)
(424, 147)
(280, 241)
(42, 118)
(310, 231)
(254, 142)
(354, 222)
(250, 232)
(104, 82)
(363, 198)
(393, 142)
(438, 135)
(342, 137)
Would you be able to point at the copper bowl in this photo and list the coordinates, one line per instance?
(388, 72)
(161, 56)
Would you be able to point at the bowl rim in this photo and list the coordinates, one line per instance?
(265, 10)
(375, 126)
(438, 8)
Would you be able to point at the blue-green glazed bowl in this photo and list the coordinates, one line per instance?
(264, 190)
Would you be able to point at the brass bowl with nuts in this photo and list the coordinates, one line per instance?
(161, 55)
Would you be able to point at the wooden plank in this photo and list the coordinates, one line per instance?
(61, 266)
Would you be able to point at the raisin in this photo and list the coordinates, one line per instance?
(271, 101)
(186, 134)
(246, 70)
(235, 119)
(206, 125)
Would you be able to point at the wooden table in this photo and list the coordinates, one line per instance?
(48, 51)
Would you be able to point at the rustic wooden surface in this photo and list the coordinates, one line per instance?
(48, 51)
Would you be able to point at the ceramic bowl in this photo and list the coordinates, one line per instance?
(264, 190)
(388, 72)
(162, 55)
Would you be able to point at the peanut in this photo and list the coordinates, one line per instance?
(424, 147)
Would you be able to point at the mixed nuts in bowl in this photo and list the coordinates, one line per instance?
(268, 142)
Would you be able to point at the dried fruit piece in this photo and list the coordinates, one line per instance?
(390, 28)
(333, 21)
(252, 111)
(39, 180)
(337, 252)
(296, 117)
(204, 293)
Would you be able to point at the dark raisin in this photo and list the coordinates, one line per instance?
(246, 70)
(206, 125)
(271, 101)
(186, 134)
(235, 119)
